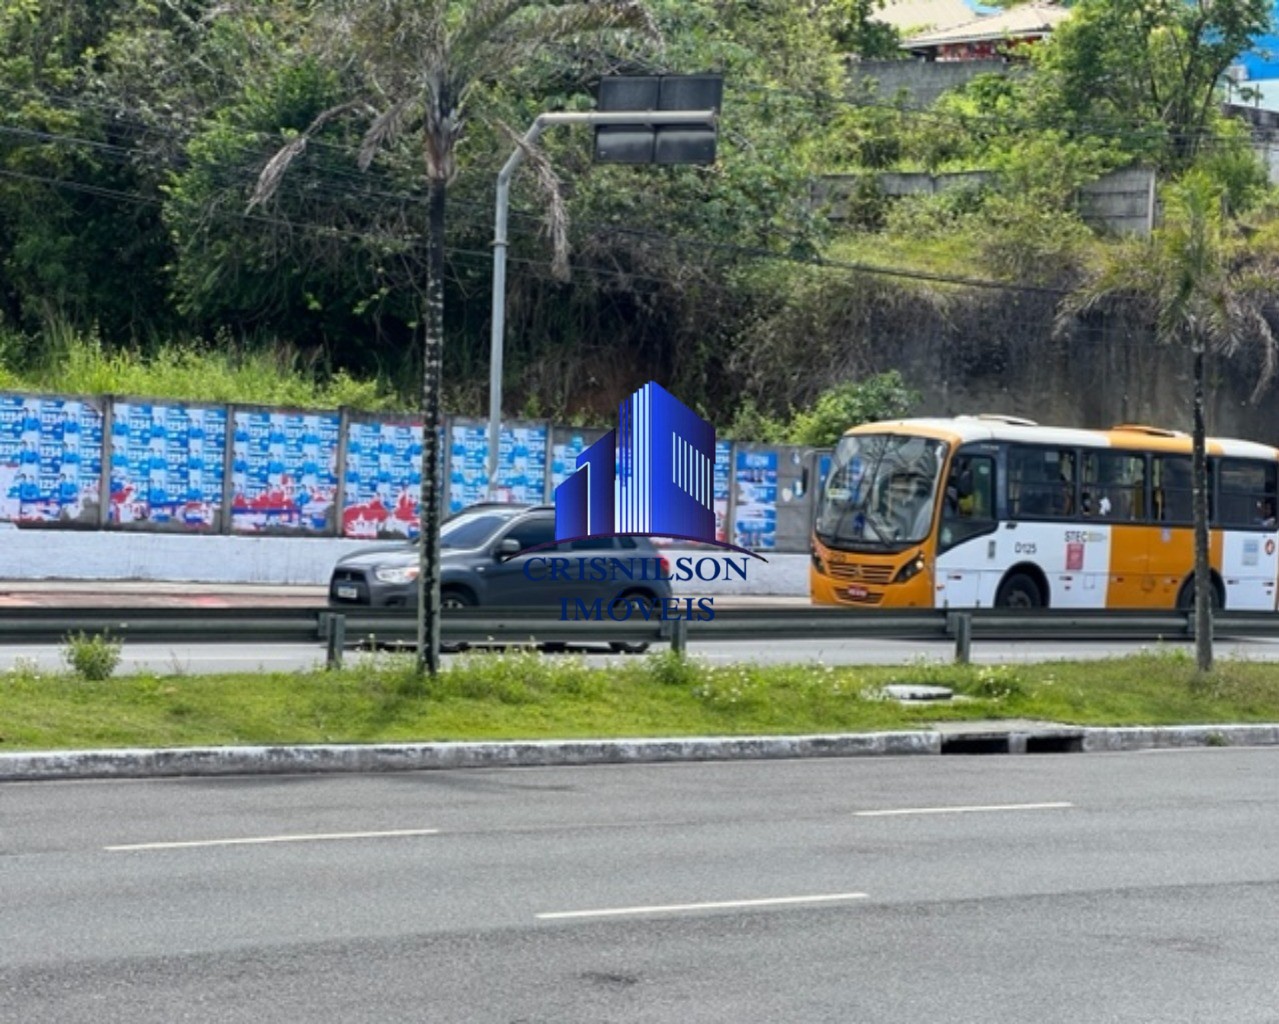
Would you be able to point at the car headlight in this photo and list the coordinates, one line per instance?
(394, 574)
(910, 570)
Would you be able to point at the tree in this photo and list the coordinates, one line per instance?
(1145, 69)
(1205, 293)
(856, 29)
(414, 64)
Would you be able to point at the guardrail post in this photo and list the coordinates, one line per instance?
(679, 636)
(335, 639)
(963, 638)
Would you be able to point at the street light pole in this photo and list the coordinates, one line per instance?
(497, 337)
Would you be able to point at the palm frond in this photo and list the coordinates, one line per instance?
(556, 221)
(383, 131)
(273, 173)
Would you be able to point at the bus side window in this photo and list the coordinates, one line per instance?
(1113, 483)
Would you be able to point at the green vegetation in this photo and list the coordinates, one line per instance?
(133, 137)
(92, 658)
(79, 364)
(523, 695)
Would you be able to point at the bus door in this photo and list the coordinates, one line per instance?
(966, 545)
(1171, 540)
(1114, 496)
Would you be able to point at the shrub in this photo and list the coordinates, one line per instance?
(93, 658)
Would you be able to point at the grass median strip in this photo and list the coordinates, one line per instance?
(521, 695)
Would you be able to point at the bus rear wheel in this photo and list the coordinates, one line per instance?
(1019, 591)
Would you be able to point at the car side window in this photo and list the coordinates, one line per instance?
(592, 544)
(533, 532)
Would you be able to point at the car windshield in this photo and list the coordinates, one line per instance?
(471, 529)
(881, 491)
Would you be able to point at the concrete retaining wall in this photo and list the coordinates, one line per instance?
(94, 555)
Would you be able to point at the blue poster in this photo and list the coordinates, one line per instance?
(468, 465)
(383, 480)
(50, 460)
(565, 449)
(167, 466)
(521, 464)
(284, 471)
(723, 487)
(755, 516)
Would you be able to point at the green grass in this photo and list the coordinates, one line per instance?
(522, 695)
(68, 362)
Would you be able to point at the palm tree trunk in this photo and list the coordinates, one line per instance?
(1199, 470)
(428, 581)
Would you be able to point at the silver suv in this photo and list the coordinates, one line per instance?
(500, 555)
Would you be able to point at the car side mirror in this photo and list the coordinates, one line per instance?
(508, 547)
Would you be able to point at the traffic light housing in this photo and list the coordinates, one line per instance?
(641, 143)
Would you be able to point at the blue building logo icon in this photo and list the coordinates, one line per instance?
(654, 474)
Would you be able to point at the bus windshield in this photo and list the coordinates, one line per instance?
(881, 491)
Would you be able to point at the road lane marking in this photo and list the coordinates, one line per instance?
(259, 840)
(675, 908)
(961, 810)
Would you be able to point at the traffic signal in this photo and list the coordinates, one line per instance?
(641, 143)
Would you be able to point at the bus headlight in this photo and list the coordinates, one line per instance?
(910, 570)
(818, 564)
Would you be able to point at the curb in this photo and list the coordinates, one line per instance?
(291, 760)
(1173, 737)
(348, 758)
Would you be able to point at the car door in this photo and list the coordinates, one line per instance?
(524, 578)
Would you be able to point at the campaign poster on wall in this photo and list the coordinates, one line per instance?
(166, 466)
(723, 487)
(567, 443)
(382, 481)
(521, 464)
(284, 471)
(468, 464)
(755, 513)
(50, 460)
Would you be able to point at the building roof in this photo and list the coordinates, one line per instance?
(1026, 21)
(923, 15)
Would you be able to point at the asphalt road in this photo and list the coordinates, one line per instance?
(1067, 888)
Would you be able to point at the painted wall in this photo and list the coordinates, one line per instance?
(97, 555)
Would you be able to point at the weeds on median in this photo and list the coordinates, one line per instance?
(93, 658)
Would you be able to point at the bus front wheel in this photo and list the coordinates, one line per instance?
(1019, 591)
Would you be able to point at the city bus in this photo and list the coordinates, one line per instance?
(995, 511)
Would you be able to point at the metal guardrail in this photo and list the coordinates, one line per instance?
(338, 628)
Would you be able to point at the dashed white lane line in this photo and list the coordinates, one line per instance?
(675, 908)
(975, 809)
(317, 837)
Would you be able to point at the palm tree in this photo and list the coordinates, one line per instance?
(1204, 294)
(418, 61)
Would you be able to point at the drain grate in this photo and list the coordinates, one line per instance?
(1013, 743)
(992, 744)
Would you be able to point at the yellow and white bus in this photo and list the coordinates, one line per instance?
(994, 511)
